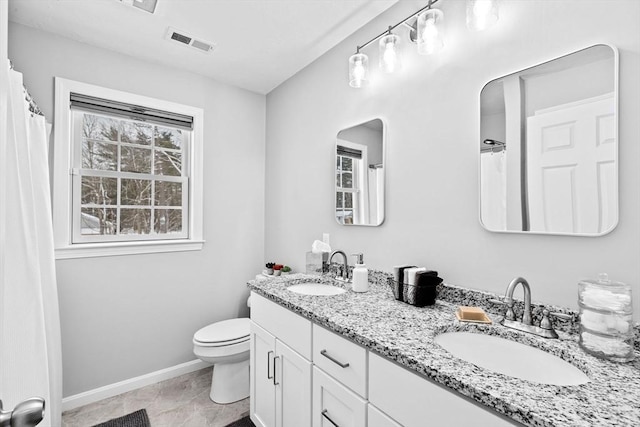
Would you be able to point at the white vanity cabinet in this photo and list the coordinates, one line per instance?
(414, 401)
(280, 374)
(334, 405)
(308, 376)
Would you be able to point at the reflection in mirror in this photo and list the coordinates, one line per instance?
(360, 174)
(549, 148)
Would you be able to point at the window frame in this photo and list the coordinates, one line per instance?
(359, 183)
(65, 172)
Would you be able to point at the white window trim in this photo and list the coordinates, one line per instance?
(360, 180)
(62, 176)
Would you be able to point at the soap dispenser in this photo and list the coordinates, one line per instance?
(360, 281)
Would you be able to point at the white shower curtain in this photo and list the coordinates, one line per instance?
(493, 190)
(30, 353)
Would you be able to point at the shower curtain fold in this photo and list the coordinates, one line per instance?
(31, 350)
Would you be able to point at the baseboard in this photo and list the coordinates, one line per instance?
(111, 390)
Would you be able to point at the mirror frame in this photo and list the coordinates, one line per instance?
(384, 163)
(616, 96)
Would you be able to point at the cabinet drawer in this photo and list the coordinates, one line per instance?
(340, 358)
(411, 399)
(290, 328)
(378, 419)
(335, 405)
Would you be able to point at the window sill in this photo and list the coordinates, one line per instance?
(91, 250)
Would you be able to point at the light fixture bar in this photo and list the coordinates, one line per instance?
(393, 27)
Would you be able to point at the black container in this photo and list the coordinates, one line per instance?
(419, 296)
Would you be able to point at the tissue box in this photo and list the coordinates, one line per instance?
(316, 262)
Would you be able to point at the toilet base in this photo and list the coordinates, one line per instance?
(230, 382)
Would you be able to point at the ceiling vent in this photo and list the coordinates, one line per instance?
(186, 39)
(146, 5)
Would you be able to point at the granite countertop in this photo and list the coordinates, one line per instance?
(405, 334)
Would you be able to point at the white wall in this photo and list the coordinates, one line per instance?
(130, 315)
(432, 113)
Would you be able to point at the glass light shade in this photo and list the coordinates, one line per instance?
(389, 54)
(482, 14)
(358, 70)
(430, 31)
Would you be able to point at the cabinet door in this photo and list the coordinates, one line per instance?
(414, 401)
(262, 404)
(334, 405)
(378, 419)
(293, 388)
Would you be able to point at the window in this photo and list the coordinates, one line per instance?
(127, 173)
(350, 182)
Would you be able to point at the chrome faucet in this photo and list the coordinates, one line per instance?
(345, 270)
(508, 300)
(526, 325)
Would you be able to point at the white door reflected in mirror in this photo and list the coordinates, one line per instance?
(360, 174)
(549, 148)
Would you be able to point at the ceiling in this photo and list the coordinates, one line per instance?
(259, 43)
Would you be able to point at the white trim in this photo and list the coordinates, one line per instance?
(115, 389)
(62, 193)
(91, 250)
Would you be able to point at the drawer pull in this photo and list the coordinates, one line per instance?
(274, 370)
(269, 377)
(324, 414)
(337, 362)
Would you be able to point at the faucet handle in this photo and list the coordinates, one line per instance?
(510, 314)
(546, 323)
(561, 316)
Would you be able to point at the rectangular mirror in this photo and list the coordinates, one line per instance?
(549, 147)
(360, 174)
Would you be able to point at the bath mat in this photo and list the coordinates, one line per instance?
(243, 422)
(134, 419)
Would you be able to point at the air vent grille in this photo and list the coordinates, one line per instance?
(181, 38)
(184, 38)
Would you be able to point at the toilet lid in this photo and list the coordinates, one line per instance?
(225, 331)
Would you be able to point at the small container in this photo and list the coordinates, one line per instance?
(316, 262)
(420, 296)
(360, 281)
(606, 319)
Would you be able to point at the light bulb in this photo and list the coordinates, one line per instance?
(358, 70)
(389, 55)
(481, 14)
(430, 32)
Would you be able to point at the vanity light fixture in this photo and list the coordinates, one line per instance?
(358, 69)
(430, 31)
(390, 60)
(426, 29)
(482, 14)
(389, 55)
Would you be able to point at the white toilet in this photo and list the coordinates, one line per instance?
(226, 345)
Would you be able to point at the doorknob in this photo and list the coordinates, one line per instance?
(26, 414)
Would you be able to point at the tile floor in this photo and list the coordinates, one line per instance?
(181, 401)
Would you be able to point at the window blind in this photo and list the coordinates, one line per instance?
(349, 152)
(130, 111)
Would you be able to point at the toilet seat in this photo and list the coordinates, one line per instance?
(224, 333)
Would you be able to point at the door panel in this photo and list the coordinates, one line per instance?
(571, 167)
(293, 388)
(262, 402)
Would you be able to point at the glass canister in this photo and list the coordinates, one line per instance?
(606, 319)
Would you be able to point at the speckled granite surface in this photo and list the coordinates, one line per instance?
(405, 334)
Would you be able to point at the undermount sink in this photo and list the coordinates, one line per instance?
(313, 288)
(511, 358)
